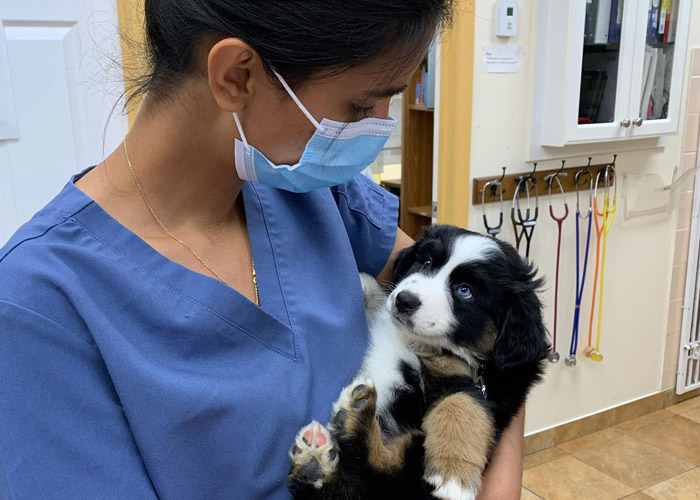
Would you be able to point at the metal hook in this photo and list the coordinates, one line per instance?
(561, 169)
(610, 174)
(555, 176)
(532, 174)
(590, 192)
(585, 170)
(530, 178)
(494, 184)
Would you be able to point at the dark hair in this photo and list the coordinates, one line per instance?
(300, 39)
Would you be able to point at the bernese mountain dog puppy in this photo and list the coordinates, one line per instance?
(454, 350)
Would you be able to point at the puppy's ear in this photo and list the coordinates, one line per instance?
(404, 260)
(522, 336)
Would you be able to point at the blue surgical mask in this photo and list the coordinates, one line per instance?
(336, 153)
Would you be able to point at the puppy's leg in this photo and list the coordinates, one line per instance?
(375, 296)
(458, 436)
(314, 457)
(355, 427)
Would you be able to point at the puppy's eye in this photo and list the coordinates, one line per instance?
(424, 260)
(463, 292)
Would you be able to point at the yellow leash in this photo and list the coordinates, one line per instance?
(608, 216)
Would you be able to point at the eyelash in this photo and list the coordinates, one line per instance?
(365, 112)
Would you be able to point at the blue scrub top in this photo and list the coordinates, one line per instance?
(124, 375)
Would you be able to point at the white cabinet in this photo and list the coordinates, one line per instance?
(608, 70)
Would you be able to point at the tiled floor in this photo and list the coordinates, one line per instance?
(656, 456)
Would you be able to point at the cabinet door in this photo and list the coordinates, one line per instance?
(657, 77)
(58, 55)
(602, 53)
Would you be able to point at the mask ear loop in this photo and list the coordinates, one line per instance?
(297, 101)
(570, 360)
(240, 130)
(553, 356)
(294, 98)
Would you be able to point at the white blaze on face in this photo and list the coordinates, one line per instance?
(435, 316)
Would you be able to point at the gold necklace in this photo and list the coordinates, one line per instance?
(171, 235)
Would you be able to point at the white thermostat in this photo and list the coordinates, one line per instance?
(507, 18)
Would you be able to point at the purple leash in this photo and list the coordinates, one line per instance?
(554, 355)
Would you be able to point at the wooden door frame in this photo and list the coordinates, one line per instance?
(132, 30)
(455, 117)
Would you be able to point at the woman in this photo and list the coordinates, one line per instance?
(167, 327)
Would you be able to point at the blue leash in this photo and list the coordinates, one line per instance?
(580, 280)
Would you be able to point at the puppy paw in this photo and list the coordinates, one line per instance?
(452, 488)
(355, 409)
(314, 455)
(374, 295)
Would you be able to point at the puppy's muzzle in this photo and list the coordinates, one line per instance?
(407, 302)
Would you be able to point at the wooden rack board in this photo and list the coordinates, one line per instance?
(510, 182)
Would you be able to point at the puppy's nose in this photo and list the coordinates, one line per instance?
(407, 302)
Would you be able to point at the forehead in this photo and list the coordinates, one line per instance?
(376, 79)
(465, 249)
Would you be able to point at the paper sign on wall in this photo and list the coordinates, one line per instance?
(501, 58)
(8, 117)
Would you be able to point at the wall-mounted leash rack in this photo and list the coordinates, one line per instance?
(510, 181)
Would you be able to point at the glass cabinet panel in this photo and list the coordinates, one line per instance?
(658, 58)
(601, 61)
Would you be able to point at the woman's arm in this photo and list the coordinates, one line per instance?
(64, 430)
(504, 474)
(402, 241)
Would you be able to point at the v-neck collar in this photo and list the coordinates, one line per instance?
(269, 324)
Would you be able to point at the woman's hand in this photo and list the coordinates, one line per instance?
(504, 474)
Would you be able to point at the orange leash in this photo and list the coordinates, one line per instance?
(599, 227)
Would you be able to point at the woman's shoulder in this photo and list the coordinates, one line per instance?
(36, 255)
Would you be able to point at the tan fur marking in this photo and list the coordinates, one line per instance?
(485, 344)
(448, 365)
(390, 456)
(458, 436)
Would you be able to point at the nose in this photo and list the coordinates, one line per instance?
(407, 302)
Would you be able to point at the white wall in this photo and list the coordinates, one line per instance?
(640, 251)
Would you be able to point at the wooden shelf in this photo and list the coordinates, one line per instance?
(420, 107)
(423, 211)
(392, 183)
(416, 162)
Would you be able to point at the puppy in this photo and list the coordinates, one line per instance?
(454, 350)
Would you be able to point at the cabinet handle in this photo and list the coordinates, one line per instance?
(626, 122)
(638, 121)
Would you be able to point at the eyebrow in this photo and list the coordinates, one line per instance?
(386, 92)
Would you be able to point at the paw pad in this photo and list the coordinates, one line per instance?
(314, 455)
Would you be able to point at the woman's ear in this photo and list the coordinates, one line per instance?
(232, 66)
